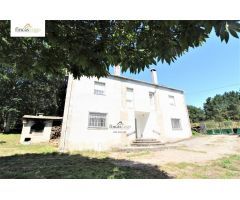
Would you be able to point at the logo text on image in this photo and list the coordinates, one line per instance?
(28, 28)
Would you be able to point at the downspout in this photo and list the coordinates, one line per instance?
(62, 146)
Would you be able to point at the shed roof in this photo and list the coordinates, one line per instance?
(42, 117)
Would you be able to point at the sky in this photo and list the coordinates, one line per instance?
(202, 72)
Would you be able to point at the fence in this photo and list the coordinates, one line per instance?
(213, 127)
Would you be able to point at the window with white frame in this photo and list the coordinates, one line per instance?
(171, 100)
(151, 98)
(97, 120)
(129, 97)
(176, 124)
(99, 88)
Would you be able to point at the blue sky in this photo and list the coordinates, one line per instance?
(202, 72)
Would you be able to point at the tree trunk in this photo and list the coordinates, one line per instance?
(6, 125)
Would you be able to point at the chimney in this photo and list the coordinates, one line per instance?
(154, 76)
(117, 70)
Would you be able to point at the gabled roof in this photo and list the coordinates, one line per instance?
(145, 83)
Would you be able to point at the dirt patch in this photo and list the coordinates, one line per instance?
(195, 150)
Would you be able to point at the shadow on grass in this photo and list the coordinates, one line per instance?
(57, 165)
(2, 142)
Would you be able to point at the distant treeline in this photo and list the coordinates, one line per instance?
(219, 108)
(39, 93)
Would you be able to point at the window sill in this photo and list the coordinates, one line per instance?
(177, 129)
(97, 128)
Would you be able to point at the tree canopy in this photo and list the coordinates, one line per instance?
(218, 108)
(90, 47)
(223, 107)
(195, 114)
(20, 96)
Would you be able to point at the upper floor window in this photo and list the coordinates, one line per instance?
(97, 120)
(176, 124)
(171, 100)
(99, 88)
(151, 98)
(130, 97)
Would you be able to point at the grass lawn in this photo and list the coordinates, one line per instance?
(9, 145)
(43, 161)
(227, 167)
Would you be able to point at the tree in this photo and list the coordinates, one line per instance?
(195, 114)
(90, 47)
(9, 99)
(223, 107)
(20, 95)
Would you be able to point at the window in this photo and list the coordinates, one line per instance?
(171, 100)
(129, 97)
(176, 125)
(97, 120)
(99, 88)
(151, 98)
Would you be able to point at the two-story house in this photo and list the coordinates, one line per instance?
(112, 112)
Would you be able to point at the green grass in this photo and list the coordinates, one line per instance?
(224, 168)
(138, 154)
(9, 145)
(196, 134)
(190, 150)
(43, 161)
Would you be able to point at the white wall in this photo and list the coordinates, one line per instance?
(179, 110)
(35, 137)
(82, 100)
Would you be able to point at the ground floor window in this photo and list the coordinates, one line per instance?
(97, 120)
(176, 124)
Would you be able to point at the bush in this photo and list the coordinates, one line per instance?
(195, 133)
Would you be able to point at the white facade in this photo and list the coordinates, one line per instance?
(110, 112)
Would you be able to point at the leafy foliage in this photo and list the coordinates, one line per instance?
(195, 114)
(223, 107)
(20, 95)
(90, 47)
(220, 108)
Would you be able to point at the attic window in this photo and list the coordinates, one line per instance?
(99, 88)
(129, 97)
(151, 98)
(171, 100)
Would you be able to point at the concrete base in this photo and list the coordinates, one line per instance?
(29, 136)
